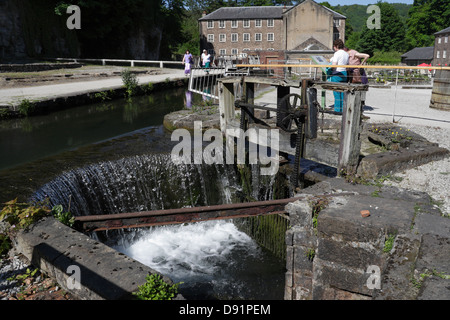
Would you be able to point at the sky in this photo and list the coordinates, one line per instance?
(364, 2)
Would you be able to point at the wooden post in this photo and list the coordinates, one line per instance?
(226, 104)
(350, 133)
(249, 97)
(281, 92)
(311, 124)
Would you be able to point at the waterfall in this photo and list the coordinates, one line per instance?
(214, 259)
(140, 183)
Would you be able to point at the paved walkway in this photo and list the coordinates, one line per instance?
(13, 96)
(405, 106)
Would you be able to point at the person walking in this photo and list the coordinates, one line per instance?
(187, 60)
(338, 74)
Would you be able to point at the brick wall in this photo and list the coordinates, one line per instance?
(225, 38)
(442, 50)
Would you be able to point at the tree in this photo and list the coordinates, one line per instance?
(390, 37)
(427, 17)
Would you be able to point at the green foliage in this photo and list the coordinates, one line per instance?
(26, 107)
(21, 215)
(29, 274)
(310, 254)
(427, 17)
(130, 82)
(61, 8)
(391, 36)
(103, 96)
(389, 243)
(64, 217)
(156, 288)
(5, 244)
(318, 206)
(385, 58)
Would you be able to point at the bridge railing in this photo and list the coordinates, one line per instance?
(204, 81)
(132, 63)
(430, 104)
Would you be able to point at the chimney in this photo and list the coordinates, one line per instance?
(204, 13)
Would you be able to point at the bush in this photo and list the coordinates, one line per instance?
(156, 289)
(21, 215)
(26, 107)
(130, 82)
(64, 217)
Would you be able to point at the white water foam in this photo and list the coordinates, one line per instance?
(191, 252)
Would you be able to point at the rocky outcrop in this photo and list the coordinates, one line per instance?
(12, 44)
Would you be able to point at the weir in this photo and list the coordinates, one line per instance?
(316, 261)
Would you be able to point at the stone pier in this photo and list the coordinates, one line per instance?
(399, 252)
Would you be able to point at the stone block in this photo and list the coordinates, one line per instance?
(336, 294)
(432, 224)
(397, 276)
(301, 261)
(343, 220)
(330, 274)
(433, 264)
(104, 273)
(304, 237)
(350, 254)
(394, 161)
(300, 213)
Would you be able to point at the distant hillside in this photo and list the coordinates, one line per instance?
(357, 16)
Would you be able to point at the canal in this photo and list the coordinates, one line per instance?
(114, 157)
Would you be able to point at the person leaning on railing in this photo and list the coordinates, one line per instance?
(357, 75)
(338, 74)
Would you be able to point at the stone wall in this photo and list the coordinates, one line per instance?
(31, 30)
(399, 252)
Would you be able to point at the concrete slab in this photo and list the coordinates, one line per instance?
(104, 273)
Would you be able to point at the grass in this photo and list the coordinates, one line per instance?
(389, 243)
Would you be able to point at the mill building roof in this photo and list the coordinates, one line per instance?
(256, 12)
(446, 30)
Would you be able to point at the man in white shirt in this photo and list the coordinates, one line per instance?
(338, 74)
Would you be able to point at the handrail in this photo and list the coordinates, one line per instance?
(340, 66)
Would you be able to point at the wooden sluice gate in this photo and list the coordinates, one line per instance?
(296, 119)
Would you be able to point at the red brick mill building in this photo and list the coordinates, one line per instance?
(272, 32)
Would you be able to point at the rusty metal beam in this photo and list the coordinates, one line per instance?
(181, 215)
(185, 215)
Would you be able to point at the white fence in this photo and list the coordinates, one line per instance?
(132, 63)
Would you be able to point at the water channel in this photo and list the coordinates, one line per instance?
(114, 157)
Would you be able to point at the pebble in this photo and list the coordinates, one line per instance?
(10, 267)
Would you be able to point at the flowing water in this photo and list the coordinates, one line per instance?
(114, 157)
